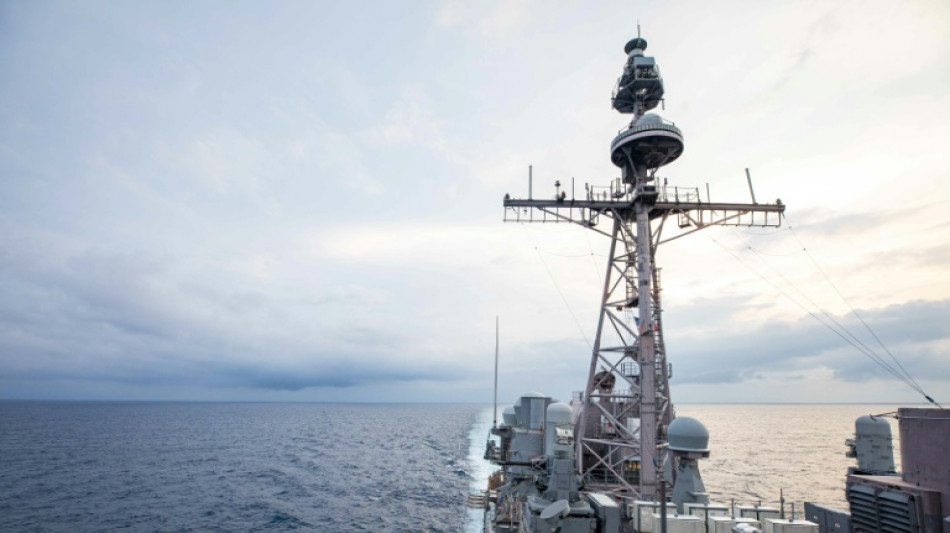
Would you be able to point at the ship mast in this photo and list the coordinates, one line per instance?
(626, 408)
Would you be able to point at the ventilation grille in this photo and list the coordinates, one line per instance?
(874, 509)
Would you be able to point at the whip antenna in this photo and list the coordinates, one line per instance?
(494, 421)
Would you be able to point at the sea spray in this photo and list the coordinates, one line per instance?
(479, 468)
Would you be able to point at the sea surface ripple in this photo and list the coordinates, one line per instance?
(90, 466)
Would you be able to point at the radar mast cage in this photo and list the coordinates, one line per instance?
(626, 406)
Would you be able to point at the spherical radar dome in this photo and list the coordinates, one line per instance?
(560, 413)
(650, 118)
(688, 435)
(528, 395)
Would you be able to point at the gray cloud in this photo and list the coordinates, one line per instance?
(737, 350)
(131, 317)
(822, 223)
(169, 191)
(342, 375)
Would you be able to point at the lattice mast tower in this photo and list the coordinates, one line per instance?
(626, 407)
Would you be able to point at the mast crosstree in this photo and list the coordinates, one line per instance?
(623, 414)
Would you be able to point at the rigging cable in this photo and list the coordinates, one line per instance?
(572, 256)
(799, 304)
(841, 328)
(853, 341)
(874, 356)
(859, 317)
(592, 260)
(556, 286)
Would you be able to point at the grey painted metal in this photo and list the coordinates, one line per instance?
(650, 142)
(687, 434)
(688, 442)
(648, 359)
(608, 512)
(660, 208)
(872, 446)
(624, 414)
(689, 486)
(539, 490)
(587, 415)
(760, 513)
(748, 178)
(558, 508)
(640, 87)
(925, 459)
(633, 44)
(829, 519)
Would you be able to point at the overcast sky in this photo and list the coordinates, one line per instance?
(302, 200)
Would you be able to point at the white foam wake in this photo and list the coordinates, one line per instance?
(480, 468)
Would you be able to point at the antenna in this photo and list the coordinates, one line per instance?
(748, 177)
(530, 179)
(494, 422)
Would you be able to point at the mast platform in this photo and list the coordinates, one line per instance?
(685, 203)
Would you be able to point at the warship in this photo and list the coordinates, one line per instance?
(616, 458)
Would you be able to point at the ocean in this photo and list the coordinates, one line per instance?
(233, 466)
(756, 450)
(94, 466)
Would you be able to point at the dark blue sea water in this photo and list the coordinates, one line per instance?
(91, 466)
(342, 467)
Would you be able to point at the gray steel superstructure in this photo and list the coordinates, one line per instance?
(604, 462)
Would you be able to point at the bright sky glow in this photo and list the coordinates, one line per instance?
(302, 200)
